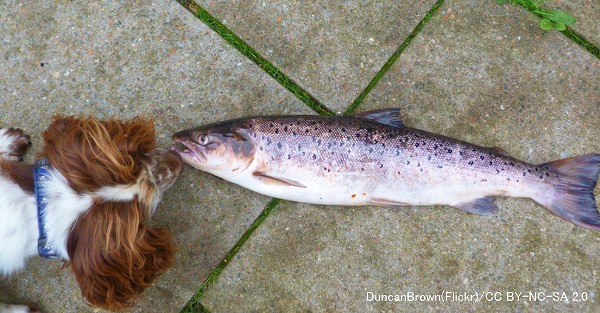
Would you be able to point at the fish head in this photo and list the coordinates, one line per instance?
(221, 149)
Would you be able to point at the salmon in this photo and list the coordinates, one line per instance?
(372, 158)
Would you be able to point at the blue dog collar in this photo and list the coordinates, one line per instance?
(40, 176)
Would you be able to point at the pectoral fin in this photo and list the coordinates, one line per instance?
(482, 206)
(269, 179)
(500, 151)
(385, 202)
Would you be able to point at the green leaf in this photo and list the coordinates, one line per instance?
(563, 17)
(536, 4)
(502, 1)
(530, 5)
(545, 24)
(560, 26)
(558, 16)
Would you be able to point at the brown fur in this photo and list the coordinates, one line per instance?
(20, 173)
(113, 254)
(92, 153)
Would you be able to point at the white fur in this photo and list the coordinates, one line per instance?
(119, 192)
(64, 207)
(4, 308)
(18, 226)
(6, 140)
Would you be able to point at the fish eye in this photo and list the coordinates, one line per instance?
(203, 139)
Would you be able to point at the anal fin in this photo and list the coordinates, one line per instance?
(269, 179)
(482, 206)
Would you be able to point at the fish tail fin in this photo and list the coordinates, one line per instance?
(574, 193)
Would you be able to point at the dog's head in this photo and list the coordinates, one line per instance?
(114, 254)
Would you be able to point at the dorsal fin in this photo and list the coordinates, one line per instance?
(389, 117)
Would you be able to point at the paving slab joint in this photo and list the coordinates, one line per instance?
(255, 57)
(579, 39)
(194, 305)
(394, 57)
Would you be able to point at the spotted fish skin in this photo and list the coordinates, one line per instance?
(373, 159)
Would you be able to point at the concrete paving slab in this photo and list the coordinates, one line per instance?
(330, 48)
(120, 60)
(484, 73)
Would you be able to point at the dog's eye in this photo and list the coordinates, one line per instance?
(203, 139)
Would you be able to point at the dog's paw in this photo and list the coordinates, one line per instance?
(6, 308)
(13, 144)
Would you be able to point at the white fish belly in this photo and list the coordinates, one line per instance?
(425, 188)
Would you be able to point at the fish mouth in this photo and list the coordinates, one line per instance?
(188, 151)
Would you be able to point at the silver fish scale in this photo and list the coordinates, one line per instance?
(351, 145)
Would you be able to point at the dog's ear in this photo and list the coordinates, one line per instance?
(133, 136)
(115, 256)
(92, 154)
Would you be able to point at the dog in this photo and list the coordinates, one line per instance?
(87, 200)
